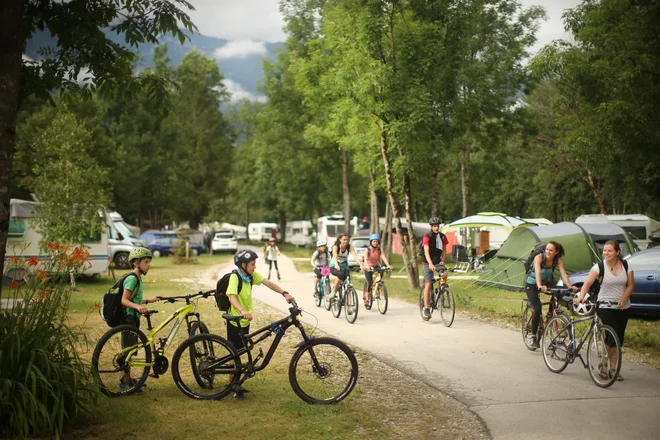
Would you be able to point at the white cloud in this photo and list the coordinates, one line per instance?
(239, 19)
(553, 28)
(238, 92)
(240, 49)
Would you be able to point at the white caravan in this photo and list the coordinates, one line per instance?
(23, 241)
(332, 225)
(261, 231)
(637, 225)
(121, 239)
(299, 233)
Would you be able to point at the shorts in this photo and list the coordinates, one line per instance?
(129, 339)
(429, 276)
(339, 273)
(234, 337)
(317, 272)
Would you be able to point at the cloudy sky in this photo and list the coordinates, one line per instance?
(260, 20)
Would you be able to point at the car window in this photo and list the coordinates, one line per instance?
(224, 236)
(360, 243)
(646, 261)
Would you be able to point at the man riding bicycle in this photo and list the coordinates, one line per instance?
(433, 244)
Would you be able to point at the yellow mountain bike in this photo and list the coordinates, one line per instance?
(124, 355)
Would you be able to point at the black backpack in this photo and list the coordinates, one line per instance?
(443, 237)
(538, 249)
(595, 287)
(221, 297)
(112, 311)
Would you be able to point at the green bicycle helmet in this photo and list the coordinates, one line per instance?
(139, 253)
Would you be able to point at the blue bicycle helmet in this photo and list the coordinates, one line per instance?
(374, 237)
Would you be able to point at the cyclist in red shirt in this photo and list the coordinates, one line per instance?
(434, 244)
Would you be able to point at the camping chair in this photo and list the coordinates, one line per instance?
(459, 256)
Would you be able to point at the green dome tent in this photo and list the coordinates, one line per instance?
(582, 246)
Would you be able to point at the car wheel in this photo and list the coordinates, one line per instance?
(121, 260)
(156, 254)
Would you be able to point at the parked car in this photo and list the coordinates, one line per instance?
(166, 245)
(154, 234)
(645, 298)
(360, 244)
(224, 242)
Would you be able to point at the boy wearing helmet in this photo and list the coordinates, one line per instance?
(131, 299)
(320, 258)
(241, 302)
(373, 257)
(433, 244)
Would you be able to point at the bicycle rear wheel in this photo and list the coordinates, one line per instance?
(381, 298)
(447, 306)
(370, 297)
(336, 303)
(323, 371)
(351, 307)
(123, 349)
(216, 362)
(526, 328)
(604, 356)
(556, 342)
(197, 328)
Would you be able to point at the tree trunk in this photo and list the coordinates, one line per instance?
(282, 224)
(374, 227)
(413, 281)
(345, 189)
(388, 230)
(11, 50)
(434, 191)
(247, 214)
(596, 186)
(412, 243)
(465, 177)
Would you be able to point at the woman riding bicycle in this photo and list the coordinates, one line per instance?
(540, 277)
(373, 257)
(339, 263)
(320, 258)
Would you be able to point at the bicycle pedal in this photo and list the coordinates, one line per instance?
(154, 375)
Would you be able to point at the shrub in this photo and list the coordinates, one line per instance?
(45, 385)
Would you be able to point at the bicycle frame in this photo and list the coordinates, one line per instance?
(278, 327)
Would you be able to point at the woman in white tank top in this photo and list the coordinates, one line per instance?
(617, 285)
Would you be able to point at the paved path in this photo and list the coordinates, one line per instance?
(489, 369)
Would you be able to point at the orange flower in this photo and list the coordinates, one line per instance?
(41, 273)
(14, 259)
(14, 284)
(43, 294)
(65, 309)
(97, 305)
(51, 246)
(33, 261)
(18, 319)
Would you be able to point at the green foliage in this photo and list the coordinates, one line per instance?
(179, 254)
(71, 187)
(46, 387)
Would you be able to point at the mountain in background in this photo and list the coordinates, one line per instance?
(240, 61)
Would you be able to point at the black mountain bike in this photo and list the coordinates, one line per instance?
(322, 370)
(557, 311)
(347, 298)
(440, 297)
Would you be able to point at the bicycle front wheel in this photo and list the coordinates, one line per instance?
(351, 307)
(121, 353)
(336, 304)
(318, 295)
(323, 371)
(216, 363)
(327, 303)
(556, 343)
(447, 306)
(527, 334)
(382, 299)
(604, 356)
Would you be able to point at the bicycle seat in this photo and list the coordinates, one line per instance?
(229, 317)
(151, 312)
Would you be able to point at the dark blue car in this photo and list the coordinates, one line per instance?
(164, 246)
(646, 295)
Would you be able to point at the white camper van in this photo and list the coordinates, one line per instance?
(261, 231)
(121, 239)
(299, 233)
(22, 233)
(637, 225)
(332, 225)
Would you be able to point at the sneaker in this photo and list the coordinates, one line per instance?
(238, 395)
(427, 314)
(126, 386)
(534, 342)
(278, 278)
(333, 294)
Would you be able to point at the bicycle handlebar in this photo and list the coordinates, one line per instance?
(380, 269)
(173, 299)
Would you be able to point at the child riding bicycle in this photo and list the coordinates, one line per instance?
(320, 258)
(373, 257)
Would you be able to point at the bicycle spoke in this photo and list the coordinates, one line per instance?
(556, 344)
(604, 356)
